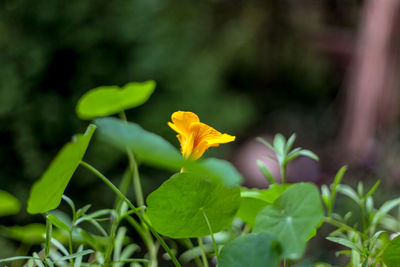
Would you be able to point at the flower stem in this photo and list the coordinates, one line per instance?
(203, 253)
(211, 232)
(135, 210)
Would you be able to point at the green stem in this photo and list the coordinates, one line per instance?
(283, 173)
(137, 212)
(137, 186)
(49, 229)
(116, 219)
(146, 237)
(189, 245)
(203, 253)
(70, 247)
(211, 232)
(342, 225)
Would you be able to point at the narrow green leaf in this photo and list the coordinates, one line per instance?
(75, 255)
(58, 223)
(176, 208)
(264, 170)
(349, 192)
(83, 210)
(309, 154)
(18, 258)
(265, 142)
(290, 143)
(9, 205)
(336, 181)
(78, 259)
(251, 250)
(47, 192)
(346, 243)
(107, 100)
(372, 190)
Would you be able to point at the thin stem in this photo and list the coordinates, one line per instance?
(146, 237)
(189, 245)
(137, 212)
(211, 232)
(342, 225)
(70, 247)
(134, 168)
(283, 173)
(203, 253)
(116, 219)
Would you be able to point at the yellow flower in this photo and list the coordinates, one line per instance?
(194, 136)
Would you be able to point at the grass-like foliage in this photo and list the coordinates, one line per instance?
(200, 214)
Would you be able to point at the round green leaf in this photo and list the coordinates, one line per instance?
(108, 100)
(254, 200)
(9, 204)
(176, 208)
(391, 255)
(154, 150)
(292, 218)
(251, 250)
(46, 193)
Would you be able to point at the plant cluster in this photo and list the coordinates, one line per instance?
(201, 214)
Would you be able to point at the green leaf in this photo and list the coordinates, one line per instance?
(9, 204)
(391, 255)
(19, 258)
(346, 243)
(156, 151)
(254, 200)
(372, 190)
(107, 100)
(265, 143)
(309, 154)
(251, 250)
(292, 218)
(264, 170)
(220, 171)
(280, 147)
(290, 142)
(31, 233)
(46, 193)
(58, 223)
(148, 147)
(176, 208)
(75, 255)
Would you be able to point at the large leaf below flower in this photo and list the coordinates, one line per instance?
(254, 200)
(107, 100)
(152, 149)
(176, 208)
(46, 193)
(292, 218)
(252, 250)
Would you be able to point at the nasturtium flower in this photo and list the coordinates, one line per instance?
(194, 136)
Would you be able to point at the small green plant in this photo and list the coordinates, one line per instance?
(200, 214)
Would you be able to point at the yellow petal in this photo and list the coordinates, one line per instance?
(203, 132)
(187, 145)
(181, 121)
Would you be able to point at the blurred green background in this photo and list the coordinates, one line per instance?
(245, 67)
